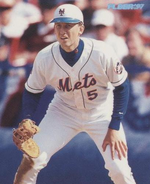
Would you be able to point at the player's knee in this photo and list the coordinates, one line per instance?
(41, 161)
(35, 163)
(118, 171)
(118, 175)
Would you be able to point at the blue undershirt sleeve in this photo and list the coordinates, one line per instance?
(121, 97)
(30, 103)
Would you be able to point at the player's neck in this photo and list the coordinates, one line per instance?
(72, 57)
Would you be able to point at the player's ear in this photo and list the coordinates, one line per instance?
(82, 27)
(54, 29)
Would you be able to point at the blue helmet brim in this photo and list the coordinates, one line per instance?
(65, 20)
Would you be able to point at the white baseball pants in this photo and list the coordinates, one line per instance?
(57, 128)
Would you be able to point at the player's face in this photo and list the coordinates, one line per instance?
(68, 35)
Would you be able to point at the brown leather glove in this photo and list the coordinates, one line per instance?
(22, 137)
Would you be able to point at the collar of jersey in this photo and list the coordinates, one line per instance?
(72, 57)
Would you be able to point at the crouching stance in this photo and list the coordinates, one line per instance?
(92, 92)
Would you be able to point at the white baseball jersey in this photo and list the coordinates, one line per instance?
(87, 85)
(83, 102)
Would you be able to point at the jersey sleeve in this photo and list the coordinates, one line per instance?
(115, 69)
(36, 82)
(121, 98)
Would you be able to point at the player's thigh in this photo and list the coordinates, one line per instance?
(98, 131)
(56, 130)
(98, 137)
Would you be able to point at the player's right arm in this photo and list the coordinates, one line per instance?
(30, 103)
(34, 88)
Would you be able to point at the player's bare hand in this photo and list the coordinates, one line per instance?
(114, 140)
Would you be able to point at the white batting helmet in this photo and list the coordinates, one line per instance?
(68, 13)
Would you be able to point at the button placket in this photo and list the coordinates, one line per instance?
(76, 92)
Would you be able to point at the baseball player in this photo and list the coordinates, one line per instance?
(91, 96)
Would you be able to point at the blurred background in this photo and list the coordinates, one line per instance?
(24, 30)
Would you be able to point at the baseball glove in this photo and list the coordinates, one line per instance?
(22, 137)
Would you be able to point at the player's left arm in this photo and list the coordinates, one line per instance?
(117, 75)
(121, 97)
(113, 138)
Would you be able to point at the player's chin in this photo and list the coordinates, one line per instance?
(65, 43)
